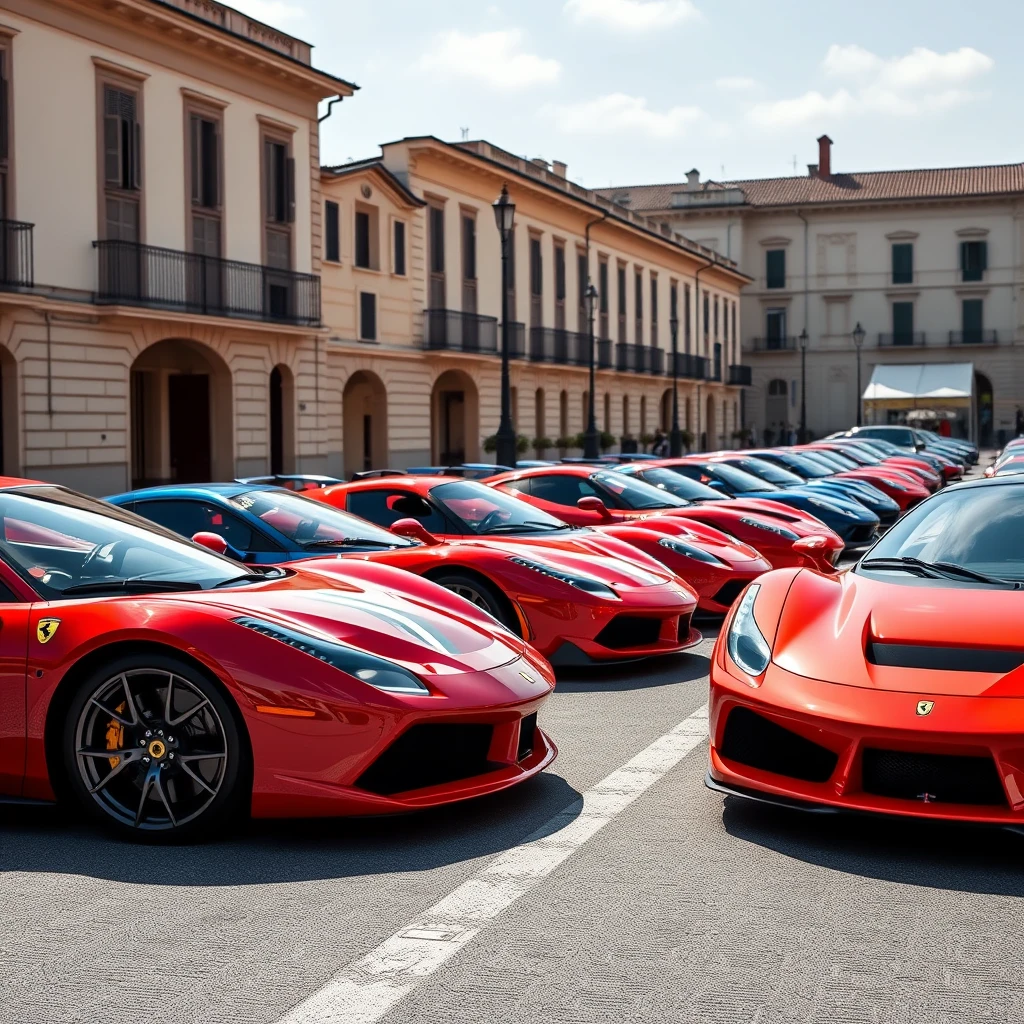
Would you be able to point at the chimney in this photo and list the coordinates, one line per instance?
(692, 180)
(540, 162)
(812, 170)
(824, 157)
(559, 168)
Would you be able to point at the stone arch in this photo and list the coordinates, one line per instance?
(181, 414)
(364, 412)
(454, 419)
(281, 419)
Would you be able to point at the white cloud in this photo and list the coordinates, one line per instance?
(494, 58)
(632, 15)
(919, 82)
(270, 12)
(618, 114)
(736, 83)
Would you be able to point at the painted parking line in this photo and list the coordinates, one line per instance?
(365, 990)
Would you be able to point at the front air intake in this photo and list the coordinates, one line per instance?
(756, 742)
(944, 659)
(931, 778)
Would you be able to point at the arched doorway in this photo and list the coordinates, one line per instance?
(282, 420)
(455, 419)
(538, 417)
(9, 415)
(776, 411)
(182, 416)
(985, 410)
(643, 415)
(665, 420)
(711, 441)
(364, 413)
(563, 415)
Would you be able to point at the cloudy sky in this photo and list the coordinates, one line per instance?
(632, 91)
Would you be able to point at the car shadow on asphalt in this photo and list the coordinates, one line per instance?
(932, 854)
(49, 839)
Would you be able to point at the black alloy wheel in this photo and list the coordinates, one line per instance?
(151, 749)
(482, 594)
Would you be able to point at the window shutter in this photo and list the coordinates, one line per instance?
(195, 158)
(112, 150)
(775, 268)
(4, 116)
(983, 255)
(289, 189)
(135, 135)
(972, 317)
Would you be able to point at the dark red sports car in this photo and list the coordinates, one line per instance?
(165, 688)
(896, 687)
(577, 595)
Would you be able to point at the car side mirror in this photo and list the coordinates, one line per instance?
(592, 503)
(414, 530)
(218, 545)
(715, 485)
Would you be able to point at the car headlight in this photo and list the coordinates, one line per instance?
(680, 547)
(379, 673)
(745, 644)
(585, 583)
(771, 528)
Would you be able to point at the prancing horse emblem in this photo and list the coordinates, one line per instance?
(45, 630)
(924, 707)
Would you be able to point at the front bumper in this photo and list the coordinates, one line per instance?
(838, 747)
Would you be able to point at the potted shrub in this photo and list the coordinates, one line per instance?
(491, 444)
(564, 443)
(522, 444)
(541, 445)
(607, 440)
(646, 440)
(628, 445)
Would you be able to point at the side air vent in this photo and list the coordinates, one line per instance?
(944, 659)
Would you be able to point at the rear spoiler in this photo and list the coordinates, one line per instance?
(372, 474)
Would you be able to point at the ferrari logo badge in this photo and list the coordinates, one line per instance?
(46, 630)
(924, 707)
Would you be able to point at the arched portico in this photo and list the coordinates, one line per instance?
(365, 423)
(454, 419)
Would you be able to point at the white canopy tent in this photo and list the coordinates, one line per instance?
(907, 386)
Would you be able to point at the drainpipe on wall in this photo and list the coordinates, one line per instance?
(49, 366)
(807, 300)
(697, 307)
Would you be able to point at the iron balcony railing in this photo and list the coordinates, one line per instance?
(783, 343)
(133, 274)
(631, 358)
(740, 376)
(973, 337)
(17, 258)
(689, 366)
(901, 339)
(458, 331)
(557, 345)
(605, 353)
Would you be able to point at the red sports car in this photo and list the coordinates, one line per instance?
(576, 595)
(164, 688)
(897, 687)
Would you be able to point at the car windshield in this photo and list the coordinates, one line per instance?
(807, 466)
(838, 463)
(860, 455)
(314, 524)
(486, 510)
(736, 480)
(65, 544)
(766, 470)
(977, 528)
(636, 495)
(681, 486)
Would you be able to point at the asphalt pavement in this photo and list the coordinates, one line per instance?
(614, 887)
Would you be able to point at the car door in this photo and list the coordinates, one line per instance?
(386, 505)
(14, 620)
(558, 493)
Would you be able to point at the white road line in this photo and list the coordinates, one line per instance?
(368, 988)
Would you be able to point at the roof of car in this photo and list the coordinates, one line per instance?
(214, 491)
(565, 469)
(1010, 480)
(420, 484)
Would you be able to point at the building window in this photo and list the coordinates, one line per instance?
(903, 263)
(716, 333)
(582, 280)
(972, 320)
(973, 260)
(735, 341)
(398, 254)
(560, 287)
(536, 282)
(707, 319)
(902, 323)
(332, 232)
(468, 262)
(654, 309)
(638, 301)
(622, 302)
(204, 171)
(436, 255)
(775, 268)
(775, 328)
(367, 316)
(278, 202)
(5, 130)
(122, 163)
(367, 238)
(602, 298)
(686, 316)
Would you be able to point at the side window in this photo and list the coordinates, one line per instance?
(7, 596)
(560, 490)
(691, 472)
(385, 507)
(188, 518)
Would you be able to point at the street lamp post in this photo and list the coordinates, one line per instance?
(505, 216)
(675, 437)
(803, 386)
(858, 342)
(591, 438)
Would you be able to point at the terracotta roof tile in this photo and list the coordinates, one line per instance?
(864, 187)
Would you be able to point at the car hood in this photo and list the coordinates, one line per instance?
(804, 495)
(381, 620)
(678, 522)
(850, 629)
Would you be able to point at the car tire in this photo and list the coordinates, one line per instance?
(152, 751)
(482, 594)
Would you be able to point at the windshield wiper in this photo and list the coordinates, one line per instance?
(936, 570)
(351, 542)
(533, 524)
(153, 586)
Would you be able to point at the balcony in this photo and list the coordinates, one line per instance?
(131, 274)
(902, 339)
(638, 358)
(973, 337)
(605, 354)
(17, 259)
(689, 366)
(557, 345)
(784, 343)
(455, 331)
(740, 376)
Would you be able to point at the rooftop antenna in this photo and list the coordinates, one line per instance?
(794, 163)
(465, 134)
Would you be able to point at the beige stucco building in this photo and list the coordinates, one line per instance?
(930, 263)
(412, 303)
(160, 211)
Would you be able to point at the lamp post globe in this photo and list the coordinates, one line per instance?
(675, 437)
(858, 343)
(591, 438)
(803, 386)
(505, 218)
